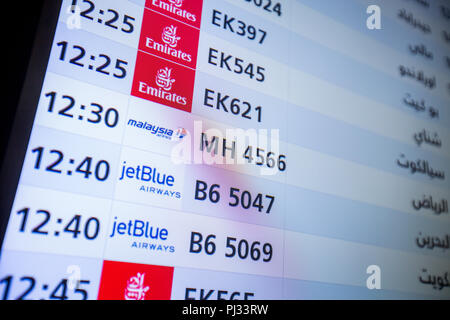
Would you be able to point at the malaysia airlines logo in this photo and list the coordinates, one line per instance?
(136, 289)
(155, 130)
(180, 133)
(163, 79)
(169, 36)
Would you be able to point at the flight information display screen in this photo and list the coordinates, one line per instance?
(236, 149)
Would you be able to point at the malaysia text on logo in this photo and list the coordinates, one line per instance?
(135, 289)
(158, 131)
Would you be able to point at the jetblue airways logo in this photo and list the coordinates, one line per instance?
(156, 182)
(143, 235)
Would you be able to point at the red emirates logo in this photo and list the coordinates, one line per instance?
(133, 281)
(187, 11)
(169, 39)
(163, 82)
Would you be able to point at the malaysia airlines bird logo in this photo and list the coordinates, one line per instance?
(179, 134)
(135, 289)
(169, 36)
(163, 79)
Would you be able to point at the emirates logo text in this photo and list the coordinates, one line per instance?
(174, 7)
(170, 41)
(164, 82)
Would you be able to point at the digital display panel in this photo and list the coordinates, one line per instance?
(236, 149)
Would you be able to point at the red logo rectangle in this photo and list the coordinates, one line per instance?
(134, 281)
(187, 11)
(163, 82)
(169, 39)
